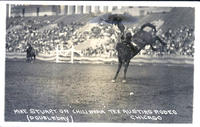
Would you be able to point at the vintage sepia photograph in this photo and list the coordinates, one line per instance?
(99, 63)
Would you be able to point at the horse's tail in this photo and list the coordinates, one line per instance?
(149, 25)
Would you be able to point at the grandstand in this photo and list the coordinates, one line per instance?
(174, 19)
(45, 33)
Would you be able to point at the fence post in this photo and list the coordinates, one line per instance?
(57, 54)
(72, 54)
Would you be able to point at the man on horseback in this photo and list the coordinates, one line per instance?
(132, 45)
(30, 52)
(29, 47)
(129, 46)
(127, 41)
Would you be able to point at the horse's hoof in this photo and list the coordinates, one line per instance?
(113, 81)
(123, 81)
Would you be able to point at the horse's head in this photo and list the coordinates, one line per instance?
(148, 25)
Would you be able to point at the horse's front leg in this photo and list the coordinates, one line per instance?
(119, 67)
(126, 64)
(31, 59)
(27, 58)
(34, 57)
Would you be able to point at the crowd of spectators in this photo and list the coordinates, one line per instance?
(180, 41)
(43, 40)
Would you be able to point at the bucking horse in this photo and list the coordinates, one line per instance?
(130, 46)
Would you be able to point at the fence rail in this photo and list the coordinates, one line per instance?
(68, 57)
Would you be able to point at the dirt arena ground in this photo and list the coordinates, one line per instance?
(160, 91)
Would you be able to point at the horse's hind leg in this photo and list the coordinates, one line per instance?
(34, 57)
(126, 64)
(119, 67)
(28, 59)
(31, 59)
